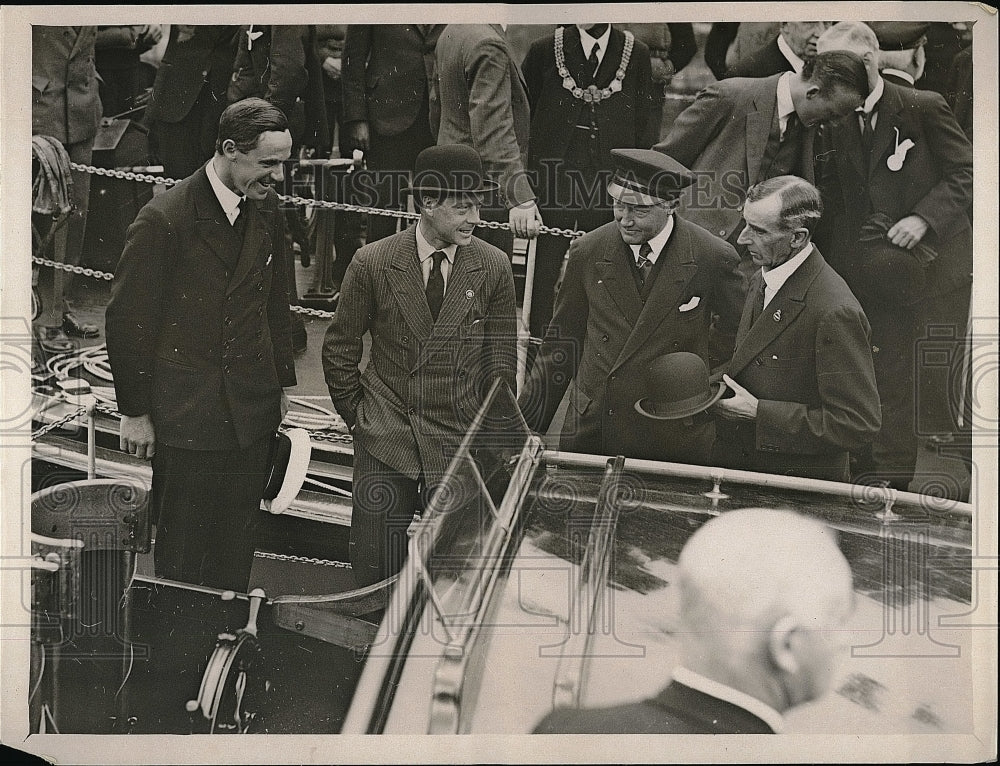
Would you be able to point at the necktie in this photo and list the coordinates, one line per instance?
(867, 130)
(758, 307)
(593, 62)
(793, 127)
(240, 224)
(642, 264)
(435, 285)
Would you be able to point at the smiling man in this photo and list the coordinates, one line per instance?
(802, 372)
(439, 306)
(198, 341)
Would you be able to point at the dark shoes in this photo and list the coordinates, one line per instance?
(54, 341)
(73, 326)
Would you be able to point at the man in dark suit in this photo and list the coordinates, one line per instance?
(388, 83)
(763, 598)
(574, 126)
(647, 284)
(439, 306)
(900, 173)
(198, 342)
(484, 104)
(189, 94)
(802, 369)
(789, 51)
(740, 131)
(66, 106)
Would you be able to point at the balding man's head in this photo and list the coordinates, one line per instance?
(762, 595)
(853, 36)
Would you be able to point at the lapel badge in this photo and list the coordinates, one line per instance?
(895, 161)
(777, 315)
(469, 294)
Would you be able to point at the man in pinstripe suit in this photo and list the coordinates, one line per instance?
(439, 306)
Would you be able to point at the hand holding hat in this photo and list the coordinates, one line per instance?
(742, 406)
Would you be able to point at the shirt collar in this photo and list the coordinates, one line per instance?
(776, 277)
(229, 199)
(784, 103)
(873, 98)
(588, 42)
(657, 243)
(793, 59)
(700, 683)
(425, 249)
(900, 74)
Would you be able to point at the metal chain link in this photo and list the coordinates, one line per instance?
(301, 559)
(75, 269)
(312, 312)
(58, 423)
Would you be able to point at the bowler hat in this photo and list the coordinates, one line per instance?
(646, 177)
(677, 386)
(900, 35)
(290, 453)
(450, 169)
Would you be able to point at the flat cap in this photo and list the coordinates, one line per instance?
(900, 35)
(646, 177)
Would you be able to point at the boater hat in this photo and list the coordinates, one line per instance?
(450, 169)
(677, 387)
(290, 453)
(647, 177)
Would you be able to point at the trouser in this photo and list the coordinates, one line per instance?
(384, 503)
(206, 506)
(55, 284)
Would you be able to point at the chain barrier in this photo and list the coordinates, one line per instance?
(301, 559)
(58, 423)
(75, 269)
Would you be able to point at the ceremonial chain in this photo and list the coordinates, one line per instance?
(592, 94)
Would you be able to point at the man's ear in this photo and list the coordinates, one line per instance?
(229, 149)
(800, 236)
(812, 90)
(782, 641)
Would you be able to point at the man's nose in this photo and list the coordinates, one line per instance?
(743, 239)
(473, 216)
(278, 174)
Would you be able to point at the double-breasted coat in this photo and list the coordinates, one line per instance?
(198, 325)
(425, 379)
(603, 337)
(808, 361)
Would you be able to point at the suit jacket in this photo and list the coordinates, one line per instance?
(623, 120)
(203, 348)
(722, 136)
(196, 57)
(602, 336)
(808, 360)
(935, 182)
(678, 709)
(763, 62)
(425, 380)
(484, 103)
(65, 101)
(388, 73)
(283, 68)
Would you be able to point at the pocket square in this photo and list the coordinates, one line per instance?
(691, 304)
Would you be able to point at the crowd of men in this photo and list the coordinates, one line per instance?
(750, 292)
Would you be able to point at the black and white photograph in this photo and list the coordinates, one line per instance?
(615, 370)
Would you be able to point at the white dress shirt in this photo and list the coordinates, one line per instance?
(790, 55)
(776, 277)
(657, 243)
(870, 104)
(784, 103)
(229, 199)
(762, 710)
(589, 42)
(900, 74)
(424, 252)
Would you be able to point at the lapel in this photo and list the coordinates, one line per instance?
(612, 57)
(467, 275)
(576, 62)
(752, 291)
(884, 139)
(847, 131)
(512, 65)
(211, 224)
(614, 274)
(790, 301)
(78, 35)
(758, 125)
(407, 284)
(256, 239)
(676, 270)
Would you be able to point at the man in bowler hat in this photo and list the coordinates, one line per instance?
(440, 308)
(646, 284)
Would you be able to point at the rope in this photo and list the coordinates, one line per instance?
(51, 189)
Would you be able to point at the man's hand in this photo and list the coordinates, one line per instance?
(136, 436)
(357, 135)
(332, 67)
(525, 220)
(908, 232)
(743, 406)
